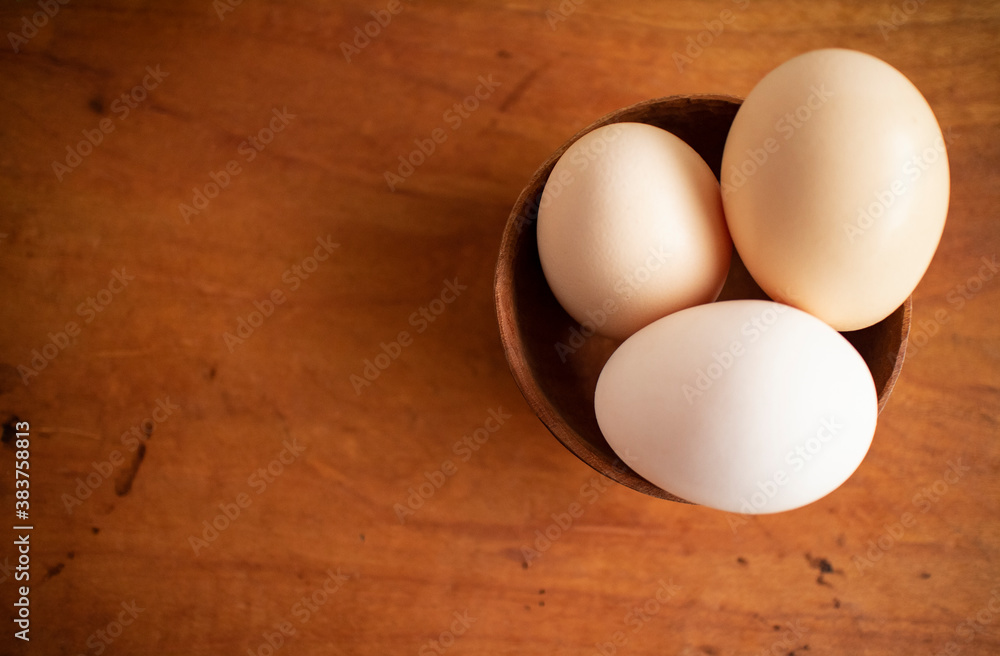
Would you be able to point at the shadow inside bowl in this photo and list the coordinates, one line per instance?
(556, 361)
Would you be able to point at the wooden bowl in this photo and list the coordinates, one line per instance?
(559, 386)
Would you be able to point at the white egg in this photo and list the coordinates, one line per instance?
(630, 229)
(744, 406)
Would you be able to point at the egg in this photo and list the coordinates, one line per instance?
(745, 406)
(630, 229)
(835, 185)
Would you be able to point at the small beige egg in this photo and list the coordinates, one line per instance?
(630, 229)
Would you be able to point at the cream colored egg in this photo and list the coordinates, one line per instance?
(630, 229)
(835, 184)
(744, 406)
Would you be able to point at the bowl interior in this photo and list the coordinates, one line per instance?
(556, 364)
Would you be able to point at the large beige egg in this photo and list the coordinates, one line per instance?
(744, 406)
(835, 185)
(630, 229)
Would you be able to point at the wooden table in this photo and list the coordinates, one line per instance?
(229, 312)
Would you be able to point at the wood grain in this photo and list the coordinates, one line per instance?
(632, 572)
